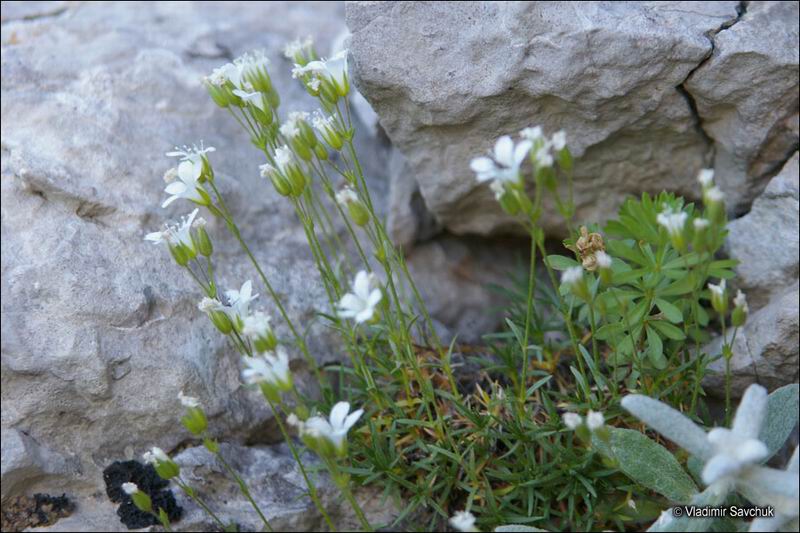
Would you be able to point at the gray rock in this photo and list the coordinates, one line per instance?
(746, 95)
(274, 480)
(25, 463)
(765, 241)
(448, 78)
(100, 329)
(764, 350)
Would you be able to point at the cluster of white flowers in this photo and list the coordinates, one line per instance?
(238, 71)
(594, 420)
(332, 70)
(361, 304)
(672, 221)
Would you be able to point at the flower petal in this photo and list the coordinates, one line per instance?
(352, 418)
(751, 413)
(338, 414)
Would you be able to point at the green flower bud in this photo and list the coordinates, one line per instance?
(273, 98)
(195, 421)
(203, 242)
(265, 343)
(719, 297)
(301, 148)
(358, 212)
(321, 152)
(264, 117)
(297, 180)
(281, 184)
(307, 133)
(167, 469)
(271, 391)
(565, 159)
(222, 321)
(211, 445)
(142, 501)
(219, 95)
(740, 310)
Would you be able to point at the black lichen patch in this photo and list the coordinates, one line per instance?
(41, 510)
(149, 482)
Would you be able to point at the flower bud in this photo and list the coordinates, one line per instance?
(195, 421)
(180, 253)
(700, 239)
(142, 501)
(740, 310)
(211, 445)
(574, 279)
(281, 184)
(300, 148)
(604, 262)
(321, 152)
(203, 242)
(273, 98)
(167, 469)
(297, 180)
(719, 297)
(222, 321)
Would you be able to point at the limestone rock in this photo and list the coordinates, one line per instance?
(100, 329)
(747, 94)
(766, 242)
(448, 78)
(764, 351)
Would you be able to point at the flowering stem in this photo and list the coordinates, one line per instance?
(343, 483)
(234, 229)
(312, 490)
(191, 494)
(244, 489)
(528, 316)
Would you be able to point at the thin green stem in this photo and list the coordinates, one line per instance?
(190, 492)
(244, 489)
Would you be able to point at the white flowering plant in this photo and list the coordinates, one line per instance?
(531, 430)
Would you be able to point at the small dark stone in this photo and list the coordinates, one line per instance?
(120, 472)
(149, 482)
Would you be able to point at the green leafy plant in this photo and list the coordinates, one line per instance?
(526, 431)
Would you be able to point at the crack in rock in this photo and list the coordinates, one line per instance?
(741, 10)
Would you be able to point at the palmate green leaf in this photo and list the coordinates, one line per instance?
(560, 262)
(648, 463)
(668, 330)
(682, 286)
(672, 313)
(782, 413)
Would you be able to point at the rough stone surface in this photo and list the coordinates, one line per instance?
(765, 241)
(746, 95)
(448, 78)
(765, 349)
(275, 483)
(100, 329)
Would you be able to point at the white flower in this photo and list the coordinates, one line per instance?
(345, 196)
(713, 195)
(360, 304)
(737, 448)
(463, 521)
(130, 488)
(717, 291)
(187, 185)
(188, 401)
(155, 455)
(256, 325)
(252, 97)
(706, 177)
(572, 275)
(296, 47)
(207, 305)
(217, 77)
(559, 140)
(313, 84)
(701, 224)
(532, 134)
(594, 420)
(741, 301)
(269, 367)
(266, 170)
(283, 157)
(672, 221)
(572, 420)
(504, 163)
(179, 233)
(632, 504)
(543, 157)
(171, 175)
(192, 153)
(237, 72)
(239, 301)
(334, 69)
(603, 259)
(335, 428)
(498, 188)
(293, 421)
